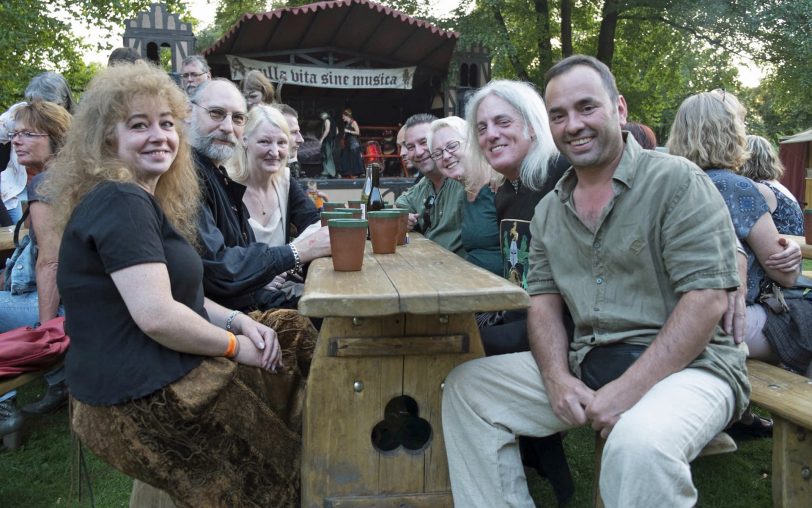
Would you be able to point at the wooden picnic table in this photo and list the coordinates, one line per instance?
(396, 328)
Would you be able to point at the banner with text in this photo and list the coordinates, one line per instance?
(323, 77)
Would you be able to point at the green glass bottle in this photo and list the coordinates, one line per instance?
(375, 198)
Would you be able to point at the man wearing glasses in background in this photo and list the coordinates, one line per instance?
(435, 202)
(194, 70)
(238, 271)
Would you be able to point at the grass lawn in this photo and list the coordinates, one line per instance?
(39, 474)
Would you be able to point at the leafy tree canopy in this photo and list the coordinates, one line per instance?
(37, 36)
(661, 51)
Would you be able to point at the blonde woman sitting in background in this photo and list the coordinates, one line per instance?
(279, 208)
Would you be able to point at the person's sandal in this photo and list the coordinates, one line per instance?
(757, 428)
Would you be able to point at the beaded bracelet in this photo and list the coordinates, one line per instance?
(297, 259)
(230, 320)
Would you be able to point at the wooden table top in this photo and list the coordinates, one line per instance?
(420, 278)
(7, 239)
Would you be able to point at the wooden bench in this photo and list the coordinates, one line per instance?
(788, 397)
(12, 383)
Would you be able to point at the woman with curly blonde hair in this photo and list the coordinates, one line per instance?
(169, 387)
(89, 157)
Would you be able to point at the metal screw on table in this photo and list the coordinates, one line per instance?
(806, 474)
(444, 319)
(358, 386)
(357, 321)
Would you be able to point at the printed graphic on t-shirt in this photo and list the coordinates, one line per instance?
(514, 242)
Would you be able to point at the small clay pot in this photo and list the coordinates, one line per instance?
(808, 226)
(348, 238)
(325, 216)
(356, 212)
(384, 226)
(355, 203)
(404, 225)
(329, 206)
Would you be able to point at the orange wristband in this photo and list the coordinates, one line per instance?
(231, 350)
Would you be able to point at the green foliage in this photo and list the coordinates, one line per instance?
(25, 52)
(657, 67)
(230, 11)
(663, 50)
(227, 14)
(36, 36)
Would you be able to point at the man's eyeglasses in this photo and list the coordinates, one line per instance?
(427, 206)
(191, 75)
(25, 135)
(451, 148)
(219, 114)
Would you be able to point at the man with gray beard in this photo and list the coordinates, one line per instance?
(238, 271)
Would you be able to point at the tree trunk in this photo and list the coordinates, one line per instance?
(566, 28)
(606, 37)
(513, 56)
(543, 34)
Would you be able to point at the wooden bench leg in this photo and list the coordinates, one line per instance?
(792, 464)
(597, 502)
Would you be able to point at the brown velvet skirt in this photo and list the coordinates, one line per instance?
(224, 435)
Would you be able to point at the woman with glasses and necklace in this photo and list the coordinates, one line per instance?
(40, 131)
(480, 229)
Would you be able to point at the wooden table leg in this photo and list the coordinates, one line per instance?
(792, 465)
(359, 366)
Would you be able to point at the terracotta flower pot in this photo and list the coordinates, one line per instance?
(348, 238)
(404, 225)
(356, 212)
(355, 203)
(325, 216)
(384, 226)
(329, 206)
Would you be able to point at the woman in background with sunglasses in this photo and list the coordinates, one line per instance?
(40, 131)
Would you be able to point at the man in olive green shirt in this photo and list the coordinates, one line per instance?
(435, 202)
(640, 248)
